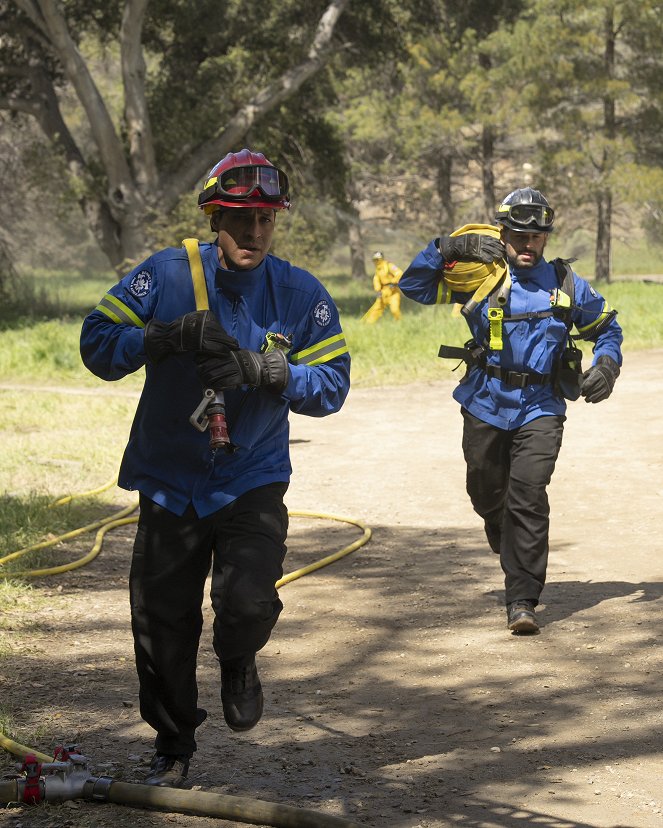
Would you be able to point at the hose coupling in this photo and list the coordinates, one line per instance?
(97, 788)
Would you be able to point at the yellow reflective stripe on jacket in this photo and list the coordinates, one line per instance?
(443, 294)
(192, 247)
(321, 351)
(587, 329)
(118, 311)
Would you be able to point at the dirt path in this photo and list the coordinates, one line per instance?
(394, 693)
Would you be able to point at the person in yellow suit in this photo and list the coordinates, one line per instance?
(385, 283)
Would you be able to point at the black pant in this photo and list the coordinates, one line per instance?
(245, 545)
(507, 476)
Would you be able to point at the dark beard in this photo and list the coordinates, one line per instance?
(537, 259)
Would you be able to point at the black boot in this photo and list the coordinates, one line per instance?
(168, 771)
(241, 693)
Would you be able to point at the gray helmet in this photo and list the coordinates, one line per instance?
(526, 210)
(378, 255)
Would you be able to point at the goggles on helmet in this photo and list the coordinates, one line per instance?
(526, 214)
(240, 183)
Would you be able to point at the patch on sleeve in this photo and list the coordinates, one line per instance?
(593, 292)
(322, 313)
(140, 284)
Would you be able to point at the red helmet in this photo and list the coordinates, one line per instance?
(244, 179)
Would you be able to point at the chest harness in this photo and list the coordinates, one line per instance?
(566, 372)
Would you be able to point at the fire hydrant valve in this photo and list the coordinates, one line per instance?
(33, 787)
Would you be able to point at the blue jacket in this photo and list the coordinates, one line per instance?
(166, 458)
(530, 345)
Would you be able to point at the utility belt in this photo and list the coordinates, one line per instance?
(518, 378)
(474, 356)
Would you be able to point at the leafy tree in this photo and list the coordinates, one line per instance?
(575, 78)
(194, 80)
(413, 125)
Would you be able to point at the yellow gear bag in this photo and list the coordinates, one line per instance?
(477, 276)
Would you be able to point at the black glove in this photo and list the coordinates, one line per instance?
(243, 367)
(470, 247)
(597, 382)
(195, 331)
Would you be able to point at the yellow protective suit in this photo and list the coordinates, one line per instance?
(385, 282)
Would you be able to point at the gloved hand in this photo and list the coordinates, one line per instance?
(195, 331)
(597, 382)
(470, 247)
(244, 367)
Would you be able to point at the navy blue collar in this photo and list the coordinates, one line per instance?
(239, 282)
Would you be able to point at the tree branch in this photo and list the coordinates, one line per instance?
(200, 159)
(31, 10)
(28, 107)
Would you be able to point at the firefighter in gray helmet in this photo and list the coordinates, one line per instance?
(511, 398)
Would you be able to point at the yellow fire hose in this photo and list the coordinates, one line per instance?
(199, 803)
(121, 519)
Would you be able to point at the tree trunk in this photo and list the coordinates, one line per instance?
(602, 266)
(10, 293)
(351, 219)
(487, 177)
(7, 272)
(447, 221)
(356, 241)
(604, 197)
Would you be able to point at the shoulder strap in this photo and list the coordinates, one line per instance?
(564, 273)
(566, 282)
(192, 247)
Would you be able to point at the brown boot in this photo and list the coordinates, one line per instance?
(168, 771)
(521, 617)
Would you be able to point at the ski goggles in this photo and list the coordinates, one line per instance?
(240, 183)
(526, 214)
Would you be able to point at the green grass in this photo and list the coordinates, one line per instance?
(48, 352)
(32, 519)
(394, 353)
(57, 444)
(640, 312)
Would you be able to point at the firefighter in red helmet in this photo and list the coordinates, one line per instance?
(270, 342)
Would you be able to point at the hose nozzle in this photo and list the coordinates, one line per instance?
(212, 412)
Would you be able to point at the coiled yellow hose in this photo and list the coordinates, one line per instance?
(121, 519)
